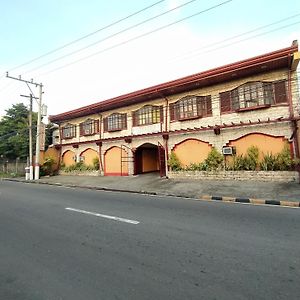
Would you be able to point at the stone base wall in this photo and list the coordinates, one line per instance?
(279, 176)
(80, 173)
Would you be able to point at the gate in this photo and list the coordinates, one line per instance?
(161, 160)
(125, 159)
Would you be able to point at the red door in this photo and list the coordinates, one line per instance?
(162, 160)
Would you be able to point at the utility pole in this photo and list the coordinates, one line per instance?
(38, 131)
(30, 135)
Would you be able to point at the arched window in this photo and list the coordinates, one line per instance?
(89, 127)
(191, 107)
(68, 131)
(147, 115)
(115, 122)
(253, 95)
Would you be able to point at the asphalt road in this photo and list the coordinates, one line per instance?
(128, 246)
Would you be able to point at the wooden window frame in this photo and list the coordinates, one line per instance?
(264, 94)
(89, 127)
(190, 107)
(72, 131)
(115, 122)
(147, 115)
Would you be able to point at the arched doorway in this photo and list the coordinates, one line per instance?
(149, 158)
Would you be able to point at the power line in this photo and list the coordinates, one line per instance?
(111, 36)
(88, 35)
(139, 36)
(246, 39)
(241, 34)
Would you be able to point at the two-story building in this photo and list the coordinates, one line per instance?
(250, 102)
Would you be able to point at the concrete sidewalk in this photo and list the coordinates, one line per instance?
(199, 189)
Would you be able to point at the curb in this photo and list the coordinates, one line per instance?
(250, 201)
(90, 187)
(294, 204)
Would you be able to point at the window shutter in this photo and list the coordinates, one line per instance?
(161, 114)
(96, 126)
(208, 105)
(225, 102)
(124, 121)
(280, 92)
(81, 133)
(61, 133)
(172, 111)
(134, 120)
(200, 102)
(74, 130)
(105, 124)
(268, 93)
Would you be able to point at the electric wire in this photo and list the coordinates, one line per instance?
(87, 35)
(247, 39)
(241, 34)
(109, 37)
(138, 36)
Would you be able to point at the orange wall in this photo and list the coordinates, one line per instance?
(150, 160)
(192, 151)
(298, 125)
(89, 155)
(266, 144)
(67, 158)
(112, 162)
(54, 154)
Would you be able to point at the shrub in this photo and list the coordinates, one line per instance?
(238, 163)
(280, 162)
(197, 167)
(268, 163)
(284, 160)
(79, 166)
(96, 164)
(47, 166)
(174, 162)
(214, 160)
(251, 160)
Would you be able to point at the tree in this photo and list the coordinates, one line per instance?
(14, 136)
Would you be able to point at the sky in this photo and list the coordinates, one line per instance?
(85, 52)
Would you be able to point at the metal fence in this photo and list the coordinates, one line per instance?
(13, 166)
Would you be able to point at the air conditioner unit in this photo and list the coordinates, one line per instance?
(81, 158)
(227, 150)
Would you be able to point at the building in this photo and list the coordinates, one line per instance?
(250, 102)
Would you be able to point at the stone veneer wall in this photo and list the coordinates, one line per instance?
(279, 176)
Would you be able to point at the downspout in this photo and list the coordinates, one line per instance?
(60, 150)
(100, 145)
(294, 122)
(291, 109)
(166, 134)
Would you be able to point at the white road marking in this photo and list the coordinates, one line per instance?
(103, 216)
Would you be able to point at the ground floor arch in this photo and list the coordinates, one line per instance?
(68, 158)
(149, 157)
(192, 151)
(88, 156)
(264, 142)
(115, 162)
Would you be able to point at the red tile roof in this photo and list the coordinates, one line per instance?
(267, 62)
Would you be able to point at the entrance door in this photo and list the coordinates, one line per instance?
(146, 159)
(161, 159)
